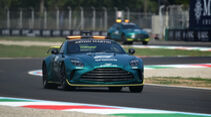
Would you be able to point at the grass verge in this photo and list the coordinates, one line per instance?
(177, 81)
(35, 51)
(21, 51)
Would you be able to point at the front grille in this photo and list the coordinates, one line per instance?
(107, 75)
(142, 36)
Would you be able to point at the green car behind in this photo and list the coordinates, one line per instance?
(128, 33)
(89, 62)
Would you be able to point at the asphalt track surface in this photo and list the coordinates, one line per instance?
(15, 82)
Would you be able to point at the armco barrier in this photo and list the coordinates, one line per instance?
(47, 33)
(188, 35)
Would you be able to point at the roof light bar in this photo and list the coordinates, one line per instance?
(127, 20)
(85, 37)
(73, 37)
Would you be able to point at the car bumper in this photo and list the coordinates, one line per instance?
(131, 39)
(78, 79)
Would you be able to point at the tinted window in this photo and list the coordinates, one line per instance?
(130, 26)
(87, 46)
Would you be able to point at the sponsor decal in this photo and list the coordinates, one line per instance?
(93, 41)
(198, 9)
(108, 65)
(104, 58)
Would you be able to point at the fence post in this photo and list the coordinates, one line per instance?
(57, 18)
(21, 19)
(82, 18)
(115, 13)
(8, 18)
(161, 21)
(105, 18)
(45, 18)
(69, 18)
(128, 13)
(32, 19)
(93, 18)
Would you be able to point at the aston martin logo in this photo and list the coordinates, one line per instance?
(198, 10)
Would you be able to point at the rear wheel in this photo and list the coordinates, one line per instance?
(64, 85)
(136, 89)
(115, 89)
(46, 83)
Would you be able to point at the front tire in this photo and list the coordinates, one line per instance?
(64, 85)
(45, 81)
(136, 89)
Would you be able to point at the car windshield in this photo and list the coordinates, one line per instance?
(94, 46)
(130, 26)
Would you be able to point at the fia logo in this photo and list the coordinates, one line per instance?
(198, 9)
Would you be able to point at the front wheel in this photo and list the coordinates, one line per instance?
(144, 42)
(46, 83)
(64, 85)
(136, 89)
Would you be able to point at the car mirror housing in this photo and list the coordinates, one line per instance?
(131, 51)
(54, 51)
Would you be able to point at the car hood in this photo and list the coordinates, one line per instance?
(104, 59)
(136, 31)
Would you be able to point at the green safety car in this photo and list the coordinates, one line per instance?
(92, 62)
(128, 33)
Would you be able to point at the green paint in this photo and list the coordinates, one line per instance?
(158, 115)
(13, 100)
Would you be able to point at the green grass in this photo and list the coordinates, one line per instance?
(178, 81)
(35, 51)
(21, 51)
(48, 39)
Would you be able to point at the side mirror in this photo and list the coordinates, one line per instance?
(131, 51)
(54, 51)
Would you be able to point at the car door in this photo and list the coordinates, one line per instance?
(57, 60)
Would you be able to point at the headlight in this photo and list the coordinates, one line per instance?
(133, 36)
(76, 62)
(134, 62)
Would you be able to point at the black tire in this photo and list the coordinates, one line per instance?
(45, 81)
(64, 85)
(136, 89)
(115, 89)
(144, 42)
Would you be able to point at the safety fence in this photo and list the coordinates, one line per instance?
(68, 19)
